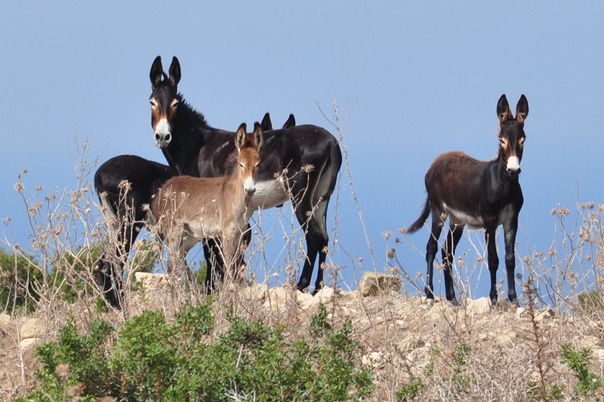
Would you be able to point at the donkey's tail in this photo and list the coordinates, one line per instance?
(415, 226)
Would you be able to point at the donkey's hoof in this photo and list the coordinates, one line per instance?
(429, 303)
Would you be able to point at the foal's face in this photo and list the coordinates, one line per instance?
(164, 101)
(248, 160)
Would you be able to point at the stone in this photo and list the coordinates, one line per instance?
(480, 306)
(4, 320)
(373, 284)
(152, 281)
(32, 328)
(278, 297)
(546, 314)
(27, 343)
(255, 292)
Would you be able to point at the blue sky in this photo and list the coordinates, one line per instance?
(412, 80)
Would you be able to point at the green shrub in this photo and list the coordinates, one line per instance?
(591, 302)
(74, 361)
(20, 280)
(151, 359)
(70, 273)
(409, 391)
(579, 362)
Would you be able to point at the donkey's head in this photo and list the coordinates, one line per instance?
(164, 100)
(248, 158)
(511, 133)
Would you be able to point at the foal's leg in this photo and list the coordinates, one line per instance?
(232, 254)
(448, 253)
(493, 260)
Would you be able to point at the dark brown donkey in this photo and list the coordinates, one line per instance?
(299, 164)
(125, 207)
(480, 195)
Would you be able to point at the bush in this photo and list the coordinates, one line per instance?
(71, 272)
(151, 359)
(579, 362)
(74, 364)
(20, 281)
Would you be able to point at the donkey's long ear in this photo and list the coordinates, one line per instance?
(240, 136)
(522, 109)
(258, 135)
(267, 124)
(174, 72)
(290, 122)
(503, 109)
(156, 73)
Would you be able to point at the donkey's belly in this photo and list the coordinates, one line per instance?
(203, 228)
(464, 218)
(269, 194)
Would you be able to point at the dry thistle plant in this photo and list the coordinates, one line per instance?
(442, 353)
(64, 240)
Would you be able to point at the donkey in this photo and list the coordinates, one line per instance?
(480, 195)
(191, 209)
(125, 185)
(299, 164)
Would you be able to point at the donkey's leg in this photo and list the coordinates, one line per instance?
(317, 240)
(431, 249)
(493, 260)
(245, 240)
(321, 219)
(103, 274)
(448, 253)
(109, 276)
(214, 264)
(231, 249)
(310, 197)
(242, 241)
(510, 230)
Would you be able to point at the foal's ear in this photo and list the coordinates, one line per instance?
(156, 73)
(503, 109)
(522, 109)
(240, 136)
(174, 72)
(258, 135)
(267, 124)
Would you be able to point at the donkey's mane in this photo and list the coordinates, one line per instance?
(198, 117)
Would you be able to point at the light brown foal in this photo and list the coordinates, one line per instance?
(190, 209)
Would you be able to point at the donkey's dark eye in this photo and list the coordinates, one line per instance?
(175, 104)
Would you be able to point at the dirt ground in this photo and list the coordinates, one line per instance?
(401, 338)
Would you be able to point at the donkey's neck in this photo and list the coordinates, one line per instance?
(238, 201)
(187, 137)
(499, 179)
